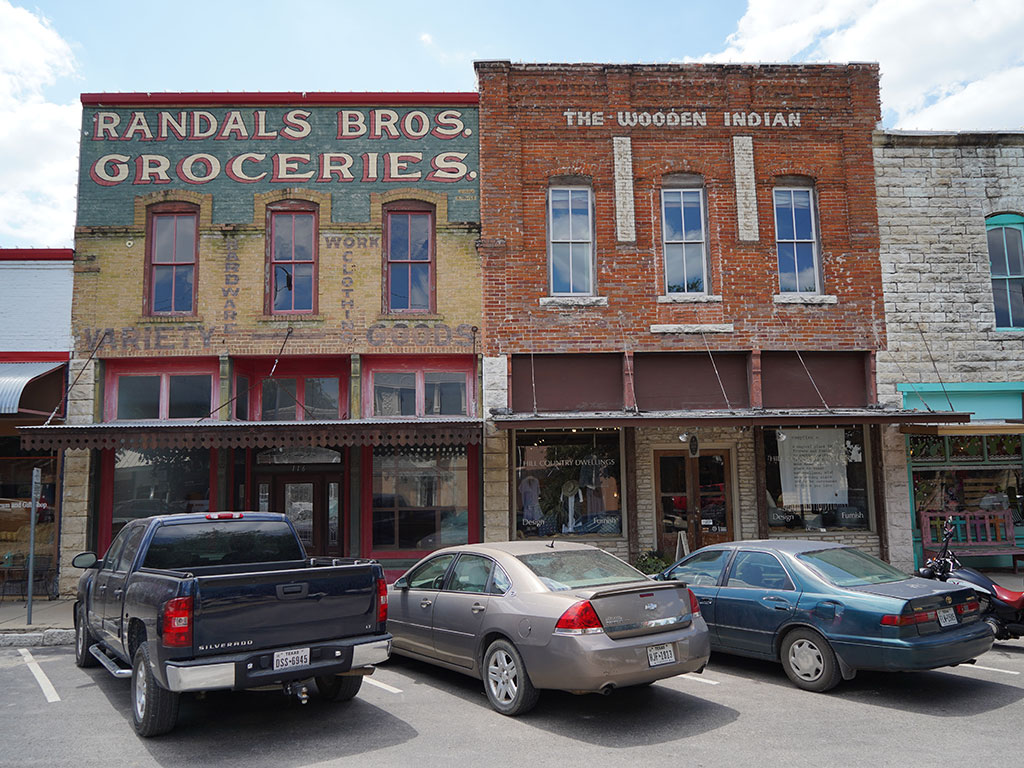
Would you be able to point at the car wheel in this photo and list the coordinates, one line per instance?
(338, 688)
(83, 641)
(809, 661)
(506, 682)
(154, 708)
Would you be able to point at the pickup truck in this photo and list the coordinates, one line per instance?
(226, 601)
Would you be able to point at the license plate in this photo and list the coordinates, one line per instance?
(660, 654)
(947, 617)
(288, 659)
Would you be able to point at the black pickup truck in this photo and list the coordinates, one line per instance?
(226, 601)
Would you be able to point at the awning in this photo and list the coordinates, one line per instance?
(972, 428)
(208, 433)
(14, 377)
(738, 417)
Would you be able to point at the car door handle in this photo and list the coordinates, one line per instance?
(477, 608)
(424, 603)
(102, 588)
(705, 600)
(778, 603)
(118, 592)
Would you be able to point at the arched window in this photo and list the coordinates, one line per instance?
(409, 257)
(292, 253)
(1006, 259)
(172, 250)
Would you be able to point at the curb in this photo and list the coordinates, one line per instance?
(47, 637)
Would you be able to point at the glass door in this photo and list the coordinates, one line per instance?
(694, 498)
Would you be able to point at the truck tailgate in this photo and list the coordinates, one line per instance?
(236, 612)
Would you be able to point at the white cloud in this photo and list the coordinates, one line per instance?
(426, 39)
(38, 139)
(944, 63)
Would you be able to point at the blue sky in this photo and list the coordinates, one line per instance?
(946, 64)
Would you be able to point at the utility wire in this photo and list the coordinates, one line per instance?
(67, 392)
(717, 374)
(935, 367)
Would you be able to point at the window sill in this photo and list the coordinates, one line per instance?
(688, 298)
(146, 319)
(288, 319)
(693, 328)
(1007, 333)
(805, 298)
(572, 302)
(400, 317)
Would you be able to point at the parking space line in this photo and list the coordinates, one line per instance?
(37, 672)
(704, 680)
(385, 686)
(992, 669)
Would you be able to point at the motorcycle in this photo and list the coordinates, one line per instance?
(1002, 609)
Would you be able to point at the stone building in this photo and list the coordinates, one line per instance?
(951, 219)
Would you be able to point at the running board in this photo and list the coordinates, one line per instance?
(108, 663)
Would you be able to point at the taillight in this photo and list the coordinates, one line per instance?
(382, 601)
(908, 619)
(694, 605)
(224, 516)
(580, 619)
(177, 623)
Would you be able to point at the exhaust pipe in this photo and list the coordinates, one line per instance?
(607, 688)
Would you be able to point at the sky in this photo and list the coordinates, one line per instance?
(945, 64)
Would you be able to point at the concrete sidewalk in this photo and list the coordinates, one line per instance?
(53, 622)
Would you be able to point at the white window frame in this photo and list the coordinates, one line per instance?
(589, 241)
(665, 242)
(813, 240)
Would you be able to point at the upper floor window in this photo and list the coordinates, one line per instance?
(409, 253)
(171, 256)
(154, 390)
(1006, 258)
(397, 388)
(571, 241)
(683, 234)
(796, 240)
(293, 267)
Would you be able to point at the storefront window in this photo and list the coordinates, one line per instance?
(163, 481)
(420, 497)
(16, 504)
(817, 479)
(567, 484)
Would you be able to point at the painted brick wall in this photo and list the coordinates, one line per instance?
(525, 141)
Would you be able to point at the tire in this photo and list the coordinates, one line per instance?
(506, 682)
(83, 641)
(154, 708)
(809, 661)
(338, 688)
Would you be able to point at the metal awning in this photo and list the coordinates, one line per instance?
(14, 377)
(207, 433)
(737, 417)
(972, 428)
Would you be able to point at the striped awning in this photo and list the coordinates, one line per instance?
(14, 377)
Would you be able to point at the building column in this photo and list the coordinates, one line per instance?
(496, 513)
(899, 517)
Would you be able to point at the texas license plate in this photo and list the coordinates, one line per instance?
(947, 617)
(288, 659)
(660, 654)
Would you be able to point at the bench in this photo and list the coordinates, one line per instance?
(976, 534)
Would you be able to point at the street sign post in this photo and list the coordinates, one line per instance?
(37, 481)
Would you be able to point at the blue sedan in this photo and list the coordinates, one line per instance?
(826, 610)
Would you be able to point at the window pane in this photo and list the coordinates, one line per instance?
(399, 286)
(1002, 303)
(802, 214)
(805, 266)
(394, 394)
(673, 216)
(303, 236)
(1016, 290)
(282, 225)
(242, 398)
(420, 286)
(694, 267)
(279, 401)
(997, 251)
(163, 481)
(580, 267)
(138, 397)
(692, 216)
(675, 277)
(419, 237)
(580, 227)
(282, 287)
(444, 393)
(559, 214)
(163, 236)
(303, 289)
(182, 288)
(787, 267)
(429, 575)
(783, 215)
(321, 399)
(560, 279)
(471, 574)
(163, 289)
(189, 397)
(398, 239)
(185, 238)
(1014, 256)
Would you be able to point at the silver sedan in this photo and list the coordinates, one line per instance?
(527, 615)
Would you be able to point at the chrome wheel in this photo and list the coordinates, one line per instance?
(805, 660)
(503, 677)
(140, 694)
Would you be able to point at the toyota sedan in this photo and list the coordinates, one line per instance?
(826, 610)
(525, 616)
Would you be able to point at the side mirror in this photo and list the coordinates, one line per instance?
(85, 560)
(402, 584)
(926, 573)
(658, 576)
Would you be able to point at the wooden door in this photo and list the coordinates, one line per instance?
(694, 498)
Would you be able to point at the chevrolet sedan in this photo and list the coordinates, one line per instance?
(826, 610)
(525, 616)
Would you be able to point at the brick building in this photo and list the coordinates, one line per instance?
(277, 306)
(683, 304)
(951, 218)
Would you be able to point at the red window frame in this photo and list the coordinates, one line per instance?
(278, 215)
(410, 208)
(257, 370)
(173, 211)
(419, 366)
(117, 369)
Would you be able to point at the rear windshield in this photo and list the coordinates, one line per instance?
(192, 545)
(848, 567)
(574, 568)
